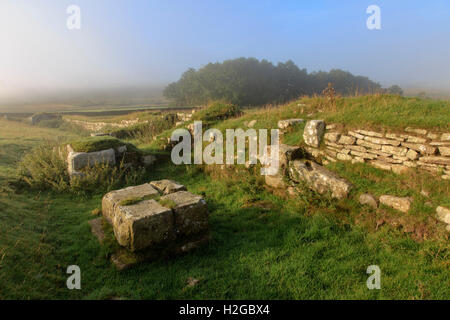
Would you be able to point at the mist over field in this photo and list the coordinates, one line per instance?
(133, 50)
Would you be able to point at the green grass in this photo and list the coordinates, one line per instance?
(386, 111)
(92, 144)
(263, 246)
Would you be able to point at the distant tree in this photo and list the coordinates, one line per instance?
(248, 81)
(395, 90)
(422, 95)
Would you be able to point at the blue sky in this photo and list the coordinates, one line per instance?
(128, 43)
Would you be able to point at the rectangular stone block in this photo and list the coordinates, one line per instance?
(368, 144)
(370, 133)
(114, 198)
(436, 160)
(422, 148)
(143, 225)
(399, 151)
(190, 211)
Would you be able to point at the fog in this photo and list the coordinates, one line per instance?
(137, 47)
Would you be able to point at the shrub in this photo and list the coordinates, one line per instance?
(52, 123)
(45, 168)
(217, 111)
(144, 132)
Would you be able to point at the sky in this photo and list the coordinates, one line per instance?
(151, 43)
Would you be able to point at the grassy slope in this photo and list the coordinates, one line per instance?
(263, 246)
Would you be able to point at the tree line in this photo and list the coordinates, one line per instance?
(250, 82)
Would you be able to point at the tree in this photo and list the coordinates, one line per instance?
(248, 81)
(395, 90)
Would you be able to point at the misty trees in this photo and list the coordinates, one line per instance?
(395, 90)
(248, 81)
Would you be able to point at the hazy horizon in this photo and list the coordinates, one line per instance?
(126, 46)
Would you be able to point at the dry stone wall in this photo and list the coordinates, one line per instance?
(414, 148)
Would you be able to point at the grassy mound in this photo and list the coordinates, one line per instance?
(217, 111)
(92, 144)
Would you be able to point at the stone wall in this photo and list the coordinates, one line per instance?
(397, 152)
(98, 126)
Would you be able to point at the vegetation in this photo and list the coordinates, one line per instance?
(97, 143)
(302, 247)
(250, 82)
(217, 111)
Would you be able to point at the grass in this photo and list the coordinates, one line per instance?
(92, 144)
(264, 245)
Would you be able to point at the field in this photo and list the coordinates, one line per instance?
(264, 245)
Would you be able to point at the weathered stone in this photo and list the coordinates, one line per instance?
(314, 153)
(440, 143)
(429, 167)
(381, 165)
(142, 225)
(444, 151)
(332, 136)
(284, 124)
(402, 204)
(399, 151)
(400, 158)
(383, 141)
(275, 181)
(446, 177)
(370, 133)
(358, 160)
(331, 126)
(166, 186)
(445, 137)
(368, 199)
(113, 198)
(97, 229)
(379, 153)
(412, 154)
(319, 178)
(443, 214)
(398, 137)
(343, 157)
(80, 160)
(330, 159)
(414, 130)
(390, 160)
(399, 169)
(356, 148)
(286, 153)
(334, 145)
(347, 140)
(191, 212)
(413, 139)
(331, 153)
(436, 160)
(252, 123)
(356, 135)
(363, 155)
(314, 131)
(422, 148)
(410, 164)
(368, 144)
(432, 136)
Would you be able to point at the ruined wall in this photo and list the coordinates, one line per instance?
(414, 148)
